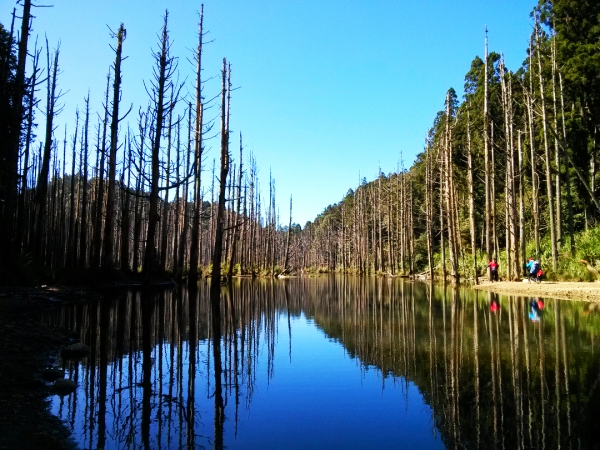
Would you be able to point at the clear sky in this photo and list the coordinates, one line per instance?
(329, 90)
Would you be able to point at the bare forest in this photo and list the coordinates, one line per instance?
(129, 190)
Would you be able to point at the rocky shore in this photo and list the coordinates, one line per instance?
(30, 368)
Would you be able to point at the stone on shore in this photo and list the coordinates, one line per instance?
(75, 351)
(64, 387)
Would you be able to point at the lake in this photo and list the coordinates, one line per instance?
(332, 362)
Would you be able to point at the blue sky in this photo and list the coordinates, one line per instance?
(329, 90)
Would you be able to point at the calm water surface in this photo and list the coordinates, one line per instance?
(332, 362)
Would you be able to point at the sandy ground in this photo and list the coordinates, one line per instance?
(554, 289)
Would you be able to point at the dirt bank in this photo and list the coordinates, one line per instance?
(563, 290)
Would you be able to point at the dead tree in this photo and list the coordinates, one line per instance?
(471, 199)
(218, 246)
(195, 230)
(162, 85)
(237, 219)
(98, 211)
(84, 194)
(109, 225)
(9, 168)
(547, 157)
(42, 182)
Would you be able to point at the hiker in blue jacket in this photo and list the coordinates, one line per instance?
(534, 270)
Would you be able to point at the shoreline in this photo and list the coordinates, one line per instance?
(578, 291)
(28, 347)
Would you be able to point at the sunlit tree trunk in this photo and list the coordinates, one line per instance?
(547, 160)
(522, 242)
(429, 206)
(471, 199)
(238, 218)
(442, 212)
(449, 194)
(559, 233)
(567, 173)
(486, 151)
(510, 203)
(289, 235)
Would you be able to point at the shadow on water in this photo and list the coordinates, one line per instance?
(175, 369)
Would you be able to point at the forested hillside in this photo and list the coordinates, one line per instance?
(508, 171)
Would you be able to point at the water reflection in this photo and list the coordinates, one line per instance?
(179, 370)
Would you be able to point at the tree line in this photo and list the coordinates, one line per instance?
(509, 172)
(123, 190)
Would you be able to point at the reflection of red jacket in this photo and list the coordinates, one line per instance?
(494, 307)
(493, 265)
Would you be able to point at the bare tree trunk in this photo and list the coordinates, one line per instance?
(513, 198)
(125, 223)
(163, 72)
(559, 233)
(486, 151)
(471, 199)
(289, 235)
(71, 237)
(547, 160)
(84, 196)
(449, 194)
(390, 251)
(194, 245)
(380, 233)
(236, 226)
(493, 191)
(534, 174)
(109, 226)
(60, 250)
(98, 211)
(567, 174)
(42, 182)
(218, 247)
(9, 171)
(165, 211)
(184, 231)
(521, 208)
(442, 228)
(21, 234)
(139, 187)
(177, 201)
(510, 203)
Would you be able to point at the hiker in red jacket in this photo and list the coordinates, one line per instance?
(493, 265)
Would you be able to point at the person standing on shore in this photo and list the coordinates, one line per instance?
(493, 265)
(534, 267)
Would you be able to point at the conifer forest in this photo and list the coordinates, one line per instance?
(508, 171)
